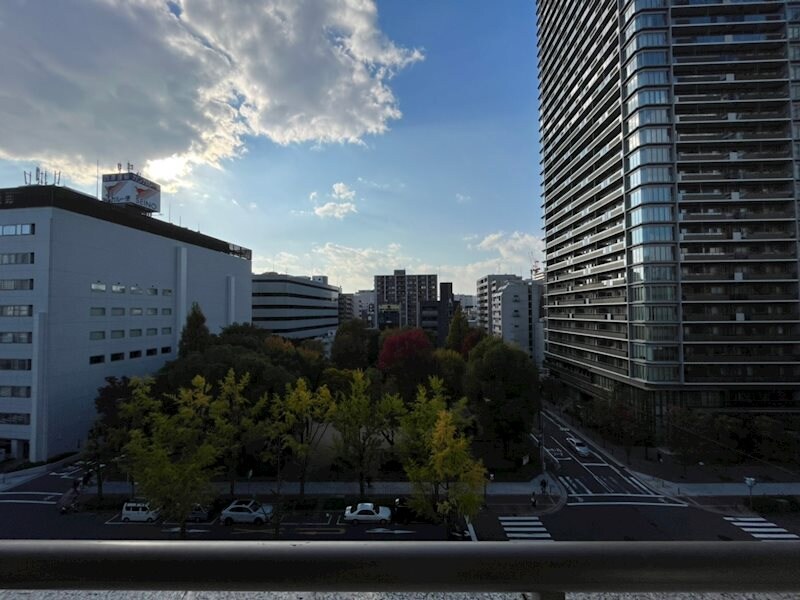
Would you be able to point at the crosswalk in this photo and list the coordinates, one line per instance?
(762, 529)
(527, 528)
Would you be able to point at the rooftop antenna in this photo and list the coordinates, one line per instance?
(119, 167)
(38, 176)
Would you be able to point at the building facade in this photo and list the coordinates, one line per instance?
(346, 307)
(670, 132)
(516, 316)
(90, 290)
(399, 297)
(364, 307)
(486, 286)
(435, 315)
(295, 307)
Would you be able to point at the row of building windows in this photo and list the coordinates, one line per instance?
(16, 337)
(654, 333)
(649, 273)
(649, 155)
(654, 293)
(15, 391)
(98, 359)
(646, 195)
(118, 288)
(21, 229)
(16, 310)
(653, 313)
(646, 97)
(654, 353)
(645, 21)
(645, 40)
(15, 418)
(15, 364)
(16, 258)
(648, 135)
(648, 58)
(120, 333)
(653, 373)
(660, 213)
(647, 116)
(652, 233)
(7, 285)
(119, 311)
(638, 5)
(652, 254)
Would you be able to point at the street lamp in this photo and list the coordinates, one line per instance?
(751, 482)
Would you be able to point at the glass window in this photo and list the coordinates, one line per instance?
(117, 333)
(650, 39)
(97, 311)
(646, 116)
(650, 214)
(152, 351)
(16, 310)
(135, 289)
(117, 356)
(15, 391)
(15, 419)
(118, 311)
(152, 331)
(135, 354)
(97, 335)
(166, 292)
(644, 195)
(652, 254)
(644, 175)
(649, 155)
(98, 287)
(166, 349)
(648, 135)
(16, 258)
(644, 21)
(166, 330)
(152, 291)
(16, 337)
(117, 288)
(655, 333)
(166, 311)
(7, 285)
(97, 359)
(135, 333)
(649, 273)
(135, 312)
(645, 97)
(15, 364)
(151, 311)
(22, 229)
(646, 58)
(645, 312)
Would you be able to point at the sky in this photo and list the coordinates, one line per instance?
(347, 138)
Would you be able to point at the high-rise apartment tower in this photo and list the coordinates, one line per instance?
(670, 136)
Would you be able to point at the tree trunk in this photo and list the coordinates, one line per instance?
(361, 483)
(183, 528)
(233, 486)
(99, 485)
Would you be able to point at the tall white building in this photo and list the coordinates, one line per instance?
(295, 307)
(515, 310)
(486, 287)
(90, 290)
(364, 306)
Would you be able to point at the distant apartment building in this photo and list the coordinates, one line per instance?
(435, 315)
(516, 316)
(346, 307)
(670, 135)
(364, 307)
(91, 289)
(295, 307)
(486, 286)
(399, 298)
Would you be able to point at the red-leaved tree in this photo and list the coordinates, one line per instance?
(407, 357)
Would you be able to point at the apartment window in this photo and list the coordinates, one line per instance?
(152, 291)
(638, 5)
(656, 293)
(166, 330)
(117, 356)
(97, 335)
(648, 58)
(135, 333)
(647, 155)
(117, 334)
(166, 292)
(151, 351)
(650, 273)
(117, 288)
(658, 213)
(654, 353)
(15, 391)
(16, 310)
(652, 373)
(166, 311)
(655, 333)
(645, 21)
(15, 364)
(646, 195)
(793, 31)
(135, 312)
(151, 312)
(8, 285)
(22, 229)
(166, 349)
(118, 311)
(645, 40)
(135, 289)
(97, 359)
(135, 354)
(652, 233)
(16, 337)
(646, 116)
(648, 135)
(653, 313)
(98, 287)
(152, 331)
(15, 419)
(97, 311)
(16, 258)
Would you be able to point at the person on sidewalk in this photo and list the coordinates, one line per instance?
(533, 499)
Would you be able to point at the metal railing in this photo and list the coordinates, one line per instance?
(400, 566)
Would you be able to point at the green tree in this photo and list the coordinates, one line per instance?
(452, 369)
(229, 413)
(358, 427)
(172, 455)
(355, 346)
(502, 384)
(195, 336)
(308, 415)
(459, 328)
(682, 439)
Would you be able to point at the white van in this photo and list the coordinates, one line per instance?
(139, 510)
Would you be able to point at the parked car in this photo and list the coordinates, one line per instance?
(139, 511)
(579, 447)
(366, 512)
(402, 511)
(199, 514)
(246, 511)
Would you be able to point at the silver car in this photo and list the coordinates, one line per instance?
(366, 512)
(246, 511)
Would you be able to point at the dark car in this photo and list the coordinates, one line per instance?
(402, 512)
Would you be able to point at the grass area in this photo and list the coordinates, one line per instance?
(490, 451)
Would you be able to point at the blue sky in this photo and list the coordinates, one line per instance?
(332, 137)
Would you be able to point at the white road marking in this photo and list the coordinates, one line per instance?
(745, 519)
(538, 536)
(579, 462)
(763, 530)
(671, 504)
(26, 502)
(567, 485)
(524, 528)
(517, 518)
(30, 493)
(622, 494)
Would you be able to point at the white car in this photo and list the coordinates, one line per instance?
(366, 512)
(246, 511)
(579, 447)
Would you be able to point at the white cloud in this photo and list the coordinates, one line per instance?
(337, 210)
(342, 192)
(463, 198)
(88, 79)
(375, 185)
(313, 196)
(516, 247)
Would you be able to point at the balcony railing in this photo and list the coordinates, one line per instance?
(549, 569)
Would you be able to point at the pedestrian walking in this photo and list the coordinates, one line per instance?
(659, 458)
(533, 499)
(543, 485)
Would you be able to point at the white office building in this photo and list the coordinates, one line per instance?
(90, 289)
(296, 307)
(515, 310)
(486, 286)
(364, 302)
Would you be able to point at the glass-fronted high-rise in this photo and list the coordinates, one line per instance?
(670, 137)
